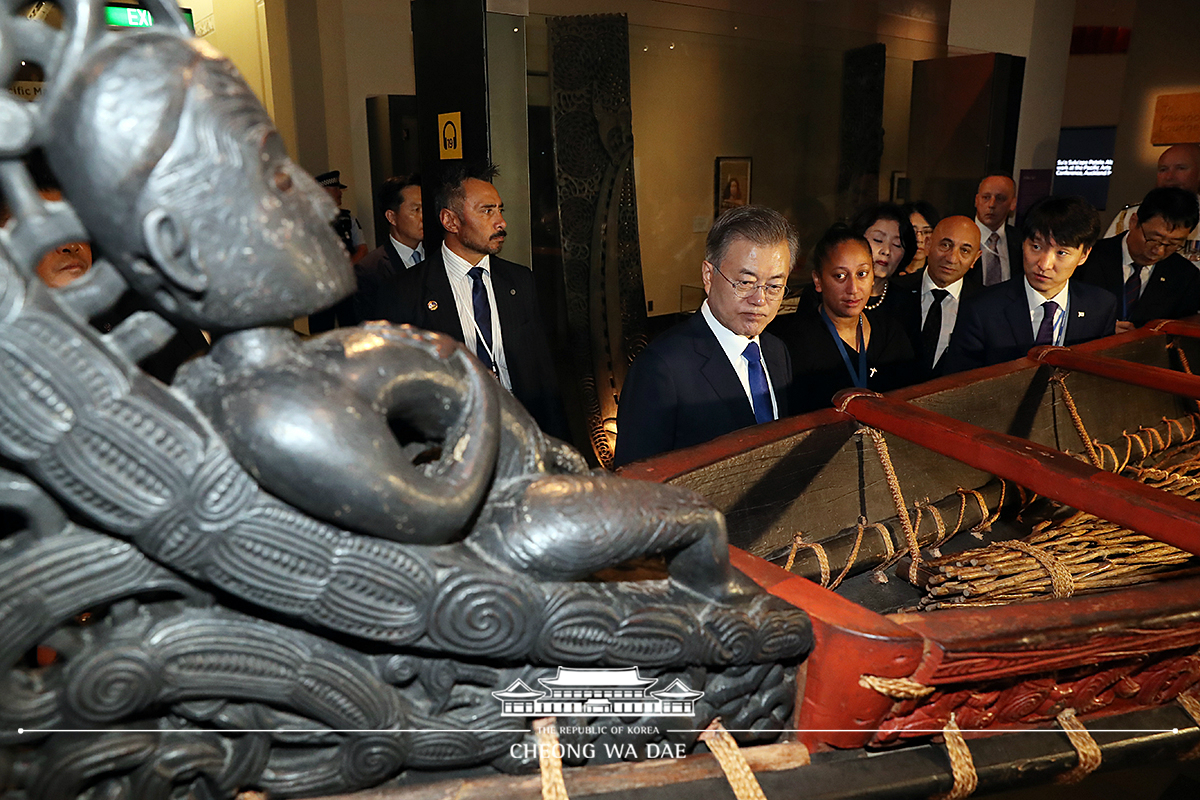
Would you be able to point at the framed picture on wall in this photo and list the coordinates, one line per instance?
(899, 188)
(732, 183)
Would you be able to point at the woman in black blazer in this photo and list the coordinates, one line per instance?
(838, 345)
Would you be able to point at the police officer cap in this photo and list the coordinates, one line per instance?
(331, 178)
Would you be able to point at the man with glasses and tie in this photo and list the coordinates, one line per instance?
(1178, 166)
(1143, 267)
(378, 272)
(994, 201)
(465, 290)
(1042, 306)
(716, 372)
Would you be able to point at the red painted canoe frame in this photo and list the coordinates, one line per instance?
(995, 668)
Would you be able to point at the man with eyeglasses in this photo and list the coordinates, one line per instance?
(1143, 267)
(1178, 166)
(716, 372)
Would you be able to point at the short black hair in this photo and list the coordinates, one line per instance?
(923, 208)
(873, 213)
(451, 193)
(1178, 207)
(391, 195)
(1067, 221)
(837, 235)
(761, 225)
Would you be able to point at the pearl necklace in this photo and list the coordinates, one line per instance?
(873, 306)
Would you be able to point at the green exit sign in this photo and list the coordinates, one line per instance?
(133, 17)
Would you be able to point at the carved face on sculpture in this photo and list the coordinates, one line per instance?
(179, 174)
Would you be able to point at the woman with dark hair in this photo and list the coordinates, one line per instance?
(893, 245)
(924, 218)
(731, 197)
(837, 345)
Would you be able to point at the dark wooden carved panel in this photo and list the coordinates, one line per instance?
(597, 206)
(860, 136)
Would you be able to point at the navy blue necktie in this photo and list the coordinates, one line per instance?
(1045, 334)
(760, 394)
(416, 258)
(483, 318)
(1133, 290)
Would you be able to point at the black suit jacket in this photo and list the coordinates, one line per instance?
(995, 326)
(1016, 258)
(423, 298)
(682, 390)
(377, 275)
(1016, 261)
(908, 311)
(1172, 293)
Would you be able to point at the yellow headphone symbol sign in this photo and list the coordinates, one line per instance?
(450, 135)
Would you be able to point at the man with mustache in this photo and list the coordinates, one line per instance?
(464, 289)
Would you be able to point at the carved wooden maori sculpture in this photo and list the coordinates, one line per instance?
(308, 564)
(597, 210)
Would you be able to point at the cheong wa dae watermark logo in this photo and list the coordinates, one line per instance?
(618, 692)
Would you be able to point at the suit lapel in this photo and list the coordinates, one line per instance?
(438, 298)
(508, 303)
(1156, 299)
(1018, 313)
(1108, 270)
(721, 378)
(398, 265)
(1016, 259)
(775, 356)
(1079, 326)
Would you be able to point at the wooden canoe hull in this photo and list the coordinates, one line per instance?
(998, 668)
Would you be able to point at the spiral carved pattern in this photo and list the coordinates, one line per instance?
(477, 615)
(730, 636)
(111, 685)
(222, 609)
(369, 759)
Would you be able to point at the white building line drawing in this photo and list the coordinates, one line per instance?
(617, 692)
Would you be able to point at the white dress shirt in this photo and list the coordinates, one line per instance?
(1063, 298)
(949, 310)
(406, 252)
(734, 345)
(460, 284)
(1127, 266)
(1001, 250)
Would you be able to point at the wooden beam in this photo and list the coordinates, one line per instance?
(1175, 327)
(1051, 473)
(1166, 380)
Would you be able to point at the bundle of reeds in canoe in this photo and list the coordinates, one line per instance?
(1078, 554)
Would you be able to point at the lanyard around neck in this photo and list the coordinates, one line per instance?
(859, 378)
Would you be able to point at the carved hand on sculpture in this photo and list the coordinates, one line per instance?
(399, 433)
(388, 431)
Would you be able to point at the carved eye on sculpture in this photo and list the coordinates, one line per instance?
(283, 181)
